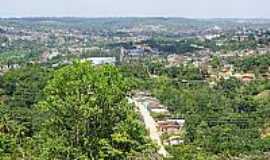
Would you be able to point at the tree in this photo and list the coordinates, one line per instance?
(24, 86)
(86, 115)
(215, 62)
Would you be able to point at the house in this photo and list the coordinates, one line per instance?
(131, 54)
(153, 105)
(246, 77)
(171, 126)
(180, 122)
(159, 110)
(174, 140)
(101, 60)
(170, 129)
(156, 107)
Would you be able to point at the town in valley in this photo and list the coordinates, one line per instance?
(134, 88)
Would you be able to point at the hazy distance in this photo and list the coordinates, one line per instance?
(136, 8)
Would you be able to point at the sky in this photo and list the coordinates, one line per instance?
(136, 8)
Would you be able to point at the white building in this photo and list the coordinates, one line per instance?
(101, 60)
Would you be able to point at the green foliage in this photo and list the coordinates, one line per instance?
(15, 131)
(215, 62)
(259, 64)
(166, 46)
(221, 122)
(189, 72)
(85, 109)
(189, 152)
(24, 86)
(22, 89)
(82, 114)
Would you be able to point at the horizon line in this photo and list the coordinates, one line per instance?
(100, 17)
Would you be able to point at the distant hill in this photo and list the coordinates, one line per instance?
(136, 21)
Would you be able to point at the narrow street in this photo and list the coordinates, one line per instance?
(150, 125)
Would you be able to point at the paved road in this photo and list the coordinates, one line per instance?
(150, 124)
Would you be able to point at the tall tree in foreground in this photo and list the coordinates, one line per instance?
(86, 116)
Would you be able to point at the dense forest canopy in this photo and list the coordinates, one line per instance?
(81, 114)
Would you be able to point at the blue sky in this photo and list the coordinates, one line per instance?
(145, 8)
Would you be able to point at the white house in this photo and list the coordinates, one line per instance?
(101, 60)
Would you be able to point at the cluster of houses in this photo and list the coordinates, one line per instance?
(225, 71)
(228, 71)
(137, 52)
(170, 127)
